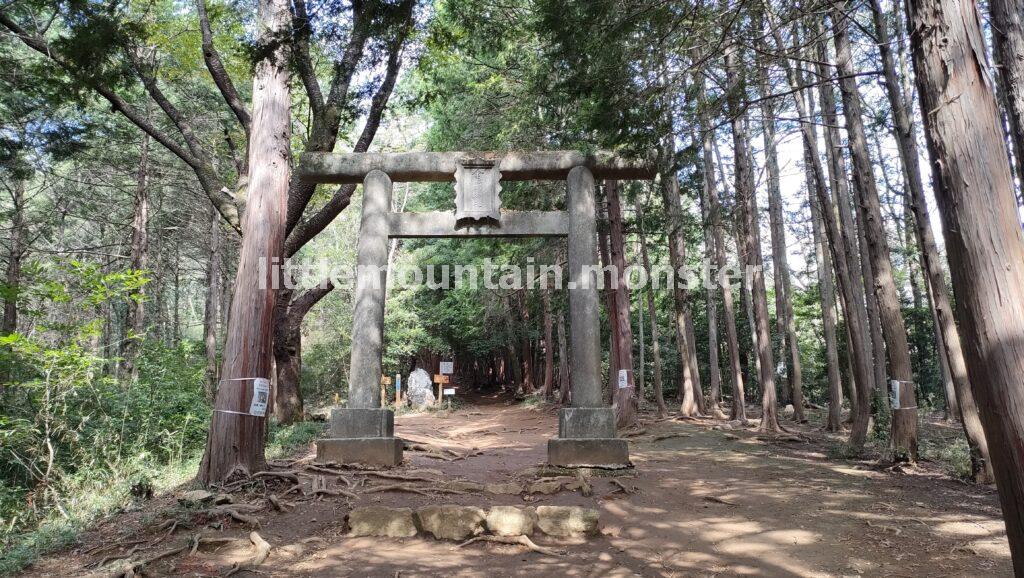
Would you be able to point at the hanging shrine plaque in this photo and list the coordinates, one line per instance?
(476, 191)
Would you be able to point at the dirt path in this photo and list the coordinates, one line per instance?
(706, 503)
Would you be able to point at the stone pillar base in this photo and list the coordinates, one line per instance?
(370, 451)
(586, 437)
(600, 452)
(361, 435)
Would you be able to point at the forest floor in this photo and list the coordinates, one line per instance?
(699, 502)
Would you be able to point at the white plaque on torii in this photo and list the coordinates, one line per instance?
(477, 184)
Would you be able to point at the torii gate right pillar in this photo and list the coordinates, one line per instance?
(586, 430)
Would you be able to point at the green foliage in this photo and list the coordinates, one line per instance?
(284, 440)
(76, 441)
(953, 453)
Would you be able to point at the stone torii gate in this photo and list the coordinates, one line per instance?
(364, 431)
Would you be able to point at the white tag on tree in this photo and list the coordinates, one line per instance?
(894, 394)
(623, 378)
(260, 397)
(447, 367)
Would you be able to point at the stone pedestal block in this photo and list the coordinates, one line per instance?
(361, 435)
(604, 452)
(370, 451)
(362, 423)
(586, 437)
(586, 422)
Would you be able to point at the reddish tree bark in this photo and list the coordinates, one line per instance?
(983, 235)
(625, 404)
(659, 396)
(236, 440)
(549, 348)
(904, 418)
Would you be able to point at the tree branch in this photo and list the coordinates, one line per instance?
(302, 29)
(306, 230)
(220, 74)
(217, 193)
(326, 115)
(303, 303)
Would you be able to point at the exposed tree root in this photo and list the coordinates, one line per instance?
(259, 556)
(397, 488)
(330, 472)
(279, 504)
(718, 500)
(582, 484)
(623, 488)
(403, 477)
(516, 540)
(237, 512)
(669, 436)
(290, 475)
(781, 437)
(198, 542)
(129, 567)
(320, 489)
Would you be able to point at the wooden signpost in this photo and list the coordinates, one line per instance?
(385, 381)
(443, 378)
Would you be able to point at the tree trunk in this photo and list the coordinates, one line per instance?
(563, 363)
(789, 348)
(659, 396)
(15, 254)
(609, 305)
(213, 297)
(739, 398)
(680, 299)
(826, 290)
(880, 405)
(1008, 51)
(641, 363)
(951, 355)
(288, 316)
(837, 216)
(549, 348)
(625, 404)
(135, 320)
(841, 251)
(746, 202)
(525, 350)
(904, 419)
(746, 297)
(948, 389)
(750, 238)
(236, 439)
(710, 251)
(983, 235)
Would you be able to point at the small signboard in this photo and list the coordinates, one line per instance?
(440, 378)
(385, 380)
(623, 378)
(260, 397)
(894, 394)
(447, 367)
(449, 391)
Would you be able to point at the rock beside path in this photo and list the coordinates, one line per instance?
(420, 389)
(567, 521)
(511, 521)
(452, 522)
(380, 521)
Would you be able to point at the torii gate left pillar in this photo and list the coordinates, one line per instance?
(363, 432)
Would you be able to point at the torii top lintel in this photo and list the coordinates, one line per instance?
(441, 166)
